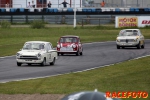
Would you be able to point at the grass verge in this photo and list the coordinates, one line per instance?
(127, 76)
(131, 75)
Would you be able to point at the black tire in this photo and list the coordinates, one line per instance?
(19, 64)
(122, 47)
(139, 46)
(81, 53)
(52, 63)
(58, 54)
(44, 62)
(118, 47)
(62, 54)
(77, 53)
(143, 46)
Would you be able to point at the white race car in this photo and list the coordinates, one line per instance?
(130, 38)
(36, 52)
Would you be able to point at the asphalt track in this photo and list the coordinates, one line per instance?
(94, 55)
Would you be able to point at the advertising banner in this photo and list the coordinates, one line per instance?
(144, 21)
(127, 21)
(132, 21)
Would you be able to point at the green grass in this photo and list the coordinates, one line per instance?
(12, 40)
(131, 75)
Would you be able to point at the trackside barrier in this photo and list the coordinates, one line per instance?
(84, 10)
(99, 19)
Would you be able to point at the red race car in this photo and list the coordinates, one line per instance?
(69, 44)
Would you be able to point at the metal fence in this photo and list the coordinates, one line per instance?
(58, 19)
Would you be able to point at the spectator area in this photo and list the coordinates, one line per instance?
(81, 11)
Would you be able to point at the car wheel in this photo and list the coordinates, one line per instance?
(43, 63)
(138, 46)
(52, 63)
(77, 53)
(143, 46)
(62, 54)
(118, 47)
(81, 53)
(122, 47)
(19, 64)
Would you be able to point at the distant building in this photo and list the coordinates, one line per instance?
(79, 3)
(39, 3)
(125, 3)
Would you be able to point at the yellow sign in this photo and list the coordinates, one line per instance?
(127, 21)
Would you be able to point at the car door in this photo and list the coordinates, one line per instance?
(49, 53)
(141, 38)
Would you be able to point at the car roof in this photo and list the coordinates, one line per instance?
(70, 36)
(131, 29)
(37, 42)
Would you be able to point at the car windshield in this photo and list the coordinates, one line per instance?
(33, 46)
(68, 40)
(128, 33)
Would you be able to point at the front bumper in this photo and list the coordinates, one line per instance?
(67, 51)
(129, 44)
(29, 61)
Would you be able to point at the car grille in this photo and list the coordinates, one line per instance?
(127, 40)
(29, 57)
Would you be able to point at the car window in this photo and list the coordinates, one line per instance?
(129, 33)
(41, 46)
(49, 47)
(68, 39)
(27, 46)
(79, 40)
(34, 46)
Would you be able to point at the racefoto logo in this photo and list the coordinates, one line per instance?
(129, 94)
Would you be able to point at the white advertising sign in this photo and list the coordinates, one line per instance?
(144, 21)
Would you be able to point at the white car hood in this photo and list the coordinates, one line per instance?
(31, 52)
(127, 37)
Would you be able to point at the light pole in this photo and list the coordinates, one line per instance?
(74, 14)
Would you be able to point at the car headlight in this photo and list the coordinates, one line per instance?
(58, 46)
(18, 55)
(117, 40)
(136, 39)
(74, 46)
(38, 55)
